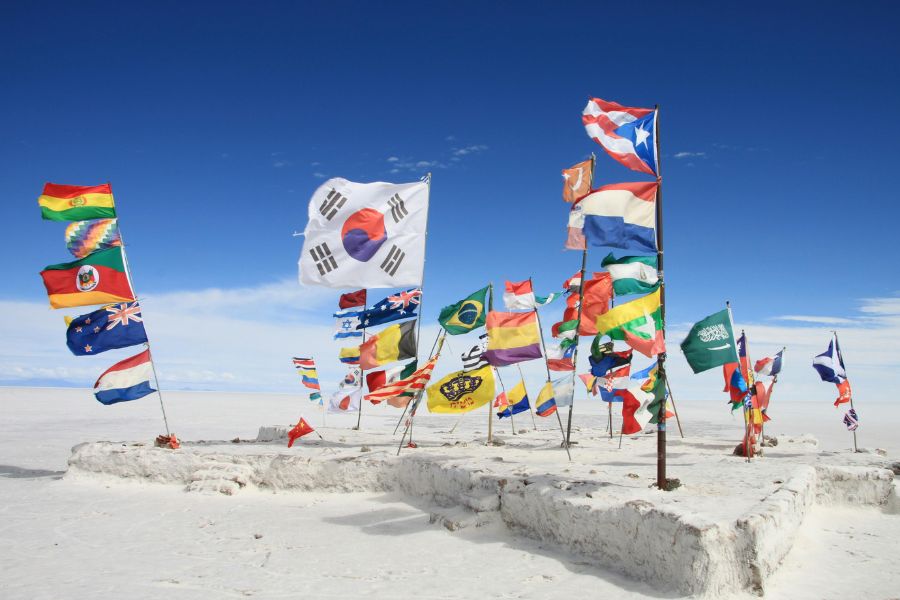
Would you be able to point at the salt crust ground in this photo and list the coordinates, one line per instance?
(113, 537)
(726, 529)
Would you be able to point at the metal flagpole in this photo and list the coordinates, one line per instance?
(674, 408)
(147, 343)
(661, 480)
(530, 407)
(547, 365)
(837, 350)
(414, 403)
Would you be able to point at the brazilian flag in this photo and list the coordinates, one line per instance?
(465, 315)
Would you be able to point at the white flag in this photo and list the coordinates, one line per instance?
(368, 235)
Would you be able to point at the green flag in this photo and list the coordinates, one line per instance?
(632, 274)
(465, 315)
(710, 343)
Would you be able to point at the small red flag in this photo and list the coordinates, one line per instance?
(300, 429)
(844, 391)
(351, 299)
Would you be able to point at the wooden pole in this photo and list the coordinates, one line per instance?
(508, 403)
(577, 336)
(362, 379)
(414, 403)
(661, 480)
(530, 403)
(769, 399)
(674, 408)
(547, 366)
(748, 411)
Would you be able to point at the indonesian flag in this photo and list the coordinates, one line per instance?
(519, 295)
(300, 429)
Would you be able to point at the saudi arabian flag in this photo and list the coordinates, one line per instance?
(632, 274)
(465, 315)
(710, 343)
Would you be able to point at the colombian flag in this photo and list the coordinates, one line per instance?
(98, 278)
(546, 402)
(77, 202)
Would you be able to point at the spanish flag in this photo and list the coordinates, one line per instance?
(77, 202)
(513, 337)
(397, 342)
(98, 278)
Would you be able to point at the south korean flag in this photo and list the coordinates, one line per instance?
(365, 235)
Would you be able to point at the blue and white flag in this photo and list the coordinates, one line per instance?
(401, 305)
(107, 328)
(769, 366)
(830, 364)
(126, 380)
(346, 323)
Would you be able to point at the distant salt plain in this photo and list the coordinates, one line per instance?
(67, 538)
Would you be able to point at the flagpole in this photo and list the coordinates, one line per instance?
(362, 379)
(661, 480)
(840, 355)
(737, 359)
(405, 408)
(577, 334)
(414, 403)
(547, 366)
(422, 284)
(522, 377)
(768, 399)
(751, 390)
(674, 408)
(508, 403)
(147, 343)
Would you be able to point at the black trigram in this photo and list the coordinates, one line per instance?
(325, 262)
(392, 261)
(398, 209)
(332, 204)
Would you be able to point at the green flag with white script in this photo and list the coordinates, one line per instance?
(710, 343)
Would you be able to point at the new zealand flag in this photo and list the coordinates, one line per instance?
(110, 327)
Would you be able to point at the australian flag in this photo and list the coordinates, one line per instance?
(401, 305)
(113, 326)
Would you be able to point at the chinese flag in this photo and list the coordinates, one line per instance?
(300, 429)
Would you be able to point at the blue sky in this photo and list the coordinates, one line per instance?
(215, 123)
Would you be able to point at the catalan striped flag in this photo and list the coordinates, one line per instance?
(84, 237)
(306, 367)
(76, 202)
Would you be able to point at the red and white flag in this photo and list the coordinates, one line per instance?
(391, 393)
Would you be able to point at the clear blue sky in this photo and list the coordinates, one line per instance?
(216, 121)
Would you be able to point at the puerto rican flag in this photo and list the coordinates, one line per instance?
(769, 366)
(627, 134)
(126, 380)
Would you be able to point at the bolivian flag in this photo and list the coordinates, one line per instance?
(76, 202)
(462, 391)
(397, 342)
(98, 278)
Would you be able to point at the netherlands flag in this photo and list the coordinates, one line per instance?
(627, 134)
(621, 215)
(126, 380)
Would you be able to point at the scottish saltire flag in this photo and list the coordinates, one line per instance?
(830, 364)
(365, 235)
(113, 326)
(851, 420)
(621, 215)
(628, 134)
(769, 366)
(126, 380)
(84, 237)
(401, 305)
(346, 324)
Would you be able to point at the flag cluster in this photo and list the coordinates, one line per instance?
(98, 276)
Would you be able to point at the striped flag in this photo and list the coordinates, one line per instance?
(306, 367)
(851, 420)
(474, 358)
(393, 393)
